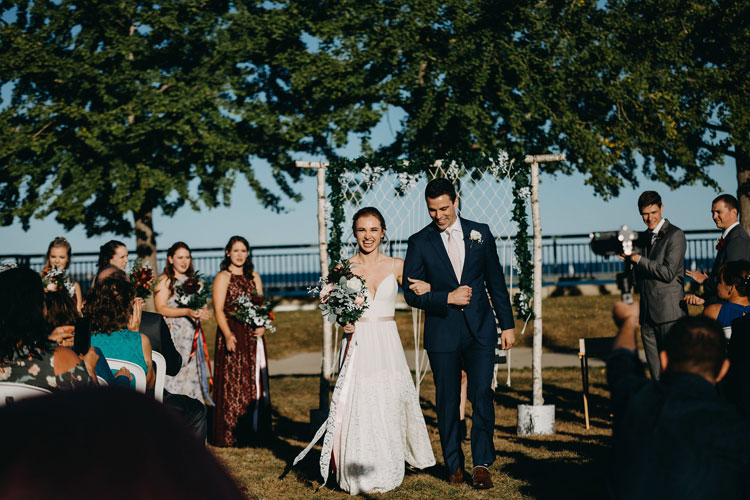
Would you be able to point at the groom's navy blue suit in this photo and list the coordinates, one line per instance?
(459, 338)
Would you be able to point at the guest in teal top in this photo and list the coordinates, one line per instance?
(122, 344)
(733, 289)
(115, 313)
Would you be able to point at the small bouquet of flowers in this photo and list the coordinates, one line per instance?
(54, 279)
(142, 276)
(193, 293)
(342, 295)
(254, 310)
(7, 265)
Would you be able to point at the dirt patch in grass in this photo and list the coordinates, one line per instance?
(569, 464)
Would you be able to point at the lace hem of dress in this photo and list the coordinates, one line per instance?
(329, 426)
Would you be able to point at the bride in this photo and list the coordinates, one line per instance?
(375, 423)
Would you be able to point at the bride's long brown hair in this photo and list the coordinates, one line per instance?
(169, 267)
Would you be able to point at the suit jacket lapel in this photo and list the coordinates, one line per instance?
(467, 231)
(437, 242)
(659, 239)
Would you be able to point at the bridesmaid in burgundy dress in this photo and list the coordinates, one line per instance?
(243, 404)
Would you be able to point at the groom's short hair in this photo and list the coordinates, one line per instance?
(438, 187)
(648, 198)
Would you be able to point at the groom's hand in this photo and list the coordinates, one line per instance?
(507, 338)
(461, 296)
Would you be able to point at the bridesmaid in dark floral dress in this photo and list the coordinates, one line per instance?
(243, 404)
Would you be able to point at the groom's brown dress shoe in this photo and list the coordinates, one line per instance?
(481, 478)
(458, 477)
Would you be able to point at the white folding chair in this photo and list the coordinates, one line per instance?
(161, 375)
(11, 392)
(138, 374)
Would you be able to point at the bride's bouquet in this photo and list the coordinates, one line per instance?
(254, 310)
(193, 293)
(54, 279)
(142, 276)
(343, 297)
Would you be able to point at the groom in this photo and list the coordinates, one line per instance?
(459, 259)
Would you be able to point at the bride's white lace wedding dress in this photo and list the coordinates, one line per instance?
(375, 423)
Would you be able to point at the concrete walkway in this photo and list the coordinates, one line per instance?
(309, 363)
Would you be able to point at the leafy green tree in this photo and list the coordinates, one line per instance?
(684, 88)
(621, 87)
(122, 108)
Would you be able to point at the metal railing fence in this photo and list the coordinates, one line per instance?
(291, 269)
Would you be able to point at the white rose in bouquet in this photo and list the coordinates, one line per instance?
(354, 283)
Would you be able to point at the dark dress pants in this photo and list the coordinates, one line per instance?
(478, 362)
(191, 411)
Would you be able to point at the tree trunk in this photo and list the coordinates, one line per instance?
(145, 241)
(742, 158)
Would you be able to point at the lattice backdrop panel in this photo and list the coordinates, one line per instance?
(484, 196)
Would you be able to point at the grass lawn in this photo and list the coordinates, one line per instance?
(565, 320)
(569, 464)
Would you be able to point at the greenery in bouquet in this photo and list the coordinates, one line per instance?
(254, 310)
(54, 279)
(342, 295)
(193, 293)
(142, 277)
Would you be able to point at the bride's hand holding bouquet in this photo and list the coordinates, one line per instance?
(342, 295)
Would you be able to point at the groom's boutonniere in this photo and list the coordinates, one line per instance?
(475, 237)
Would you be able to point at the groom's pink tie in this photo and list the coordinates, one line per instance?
(453, 254)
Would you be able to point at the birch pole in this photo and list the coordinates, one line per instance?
(326, 373)
(536, 357)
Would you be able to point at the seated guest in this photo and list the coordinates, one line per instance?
(61, 314)
(26, 354)
(675, 438)
(734, 281)
(115, 316)
(192, 411)
(736, 385)
(152, 325)
(105, 443)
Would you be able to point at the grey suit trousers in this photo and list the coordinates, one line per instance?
(653, 338)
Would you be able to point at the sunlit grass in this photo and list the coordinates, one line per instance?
(569, 464)
(565, 320)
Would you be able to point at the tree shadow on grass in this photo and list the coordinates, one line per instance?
(559, 478)
(577, 467)
(568, 405)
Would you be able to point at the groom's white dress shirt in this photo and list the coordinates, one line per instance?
(457, 233)
(656, 230)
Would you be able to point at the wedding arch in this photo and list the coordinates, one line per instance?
(491, 188)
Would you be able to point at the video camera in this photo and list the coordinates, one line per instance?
(625, 242)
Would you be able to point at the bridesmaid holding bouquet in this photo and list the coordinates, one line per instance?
(57, 261)
(181, 297)
(243, 404)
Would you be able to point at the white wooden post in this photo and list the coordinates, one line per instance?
(326, 373)
(537, 418)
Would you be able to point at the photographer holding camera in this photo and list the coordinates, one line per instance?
(660, 271)
(676, 437)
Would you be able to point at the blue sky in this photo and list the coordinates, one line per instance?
(567, 206)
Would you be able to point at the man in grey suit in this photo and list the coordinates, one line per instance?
(661, 274)
(733, 245)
